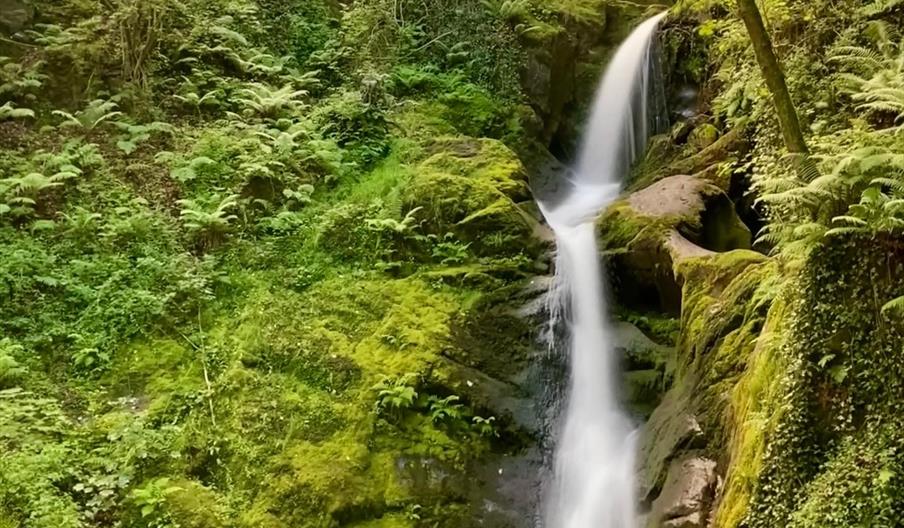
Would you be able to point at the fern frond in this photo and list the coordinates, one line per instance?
(894, 306)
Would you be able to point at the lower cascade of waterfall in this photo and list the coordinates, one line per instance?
(594, 483)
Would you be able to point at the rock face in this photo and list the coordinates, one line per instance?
(654, 229)
(14, 15)
(687, 495)
(645, 366)
(670, 429)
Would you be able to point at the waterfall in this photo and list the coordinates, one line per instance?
(594, 459)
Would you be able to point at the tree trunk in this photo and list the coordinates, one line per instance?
(775, 79)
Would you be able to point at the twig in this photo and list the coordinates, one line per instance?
(17, 43)
(202, 349)
(213, 417)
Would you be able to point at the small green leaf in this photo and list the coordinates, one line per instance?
(126, 146)
(826, 360)
(839, 373)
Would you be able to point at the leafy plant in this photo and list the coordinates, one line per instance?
(300, 196)
(11, 371)
(485, 426)
(81, 223)
(444, 409)
(18, 79)
(91, 117)
(134, 135)
(190, 170)
(267, 101)
(449, 250)
(151, 497)
(130, 223)
(209, 226)
(20, 195)
(91, 359)
(874, 77)
(8, 111)
(406, 226)
(396, 395)
(877, 212)
(283, 141)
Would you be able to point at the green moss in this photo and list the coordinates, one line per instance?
(703, 136)
(621, 226)
(388, 521)
(471, 187)
(193, 505)
(754, 410)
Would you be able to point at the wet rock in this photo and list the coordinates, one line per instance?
(645, 367)
(670, 430)
(687, 494)
(639, 350)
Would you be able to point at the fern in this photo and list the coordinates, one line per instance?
(874, 78)
(8, 111)
(267, 101)
(877, 212)
(880, 7)
(19, 195)
(895, 306)
(18, 80)
(210, 227)
(93, 116)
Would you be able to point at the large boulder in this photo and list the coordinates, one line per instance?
(687, 496)
(472, 188)
(671, 429)
(648, 233)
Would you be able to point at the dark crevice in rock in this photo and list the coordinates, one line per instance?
(739, 192)
(719, 228)
(644, 288)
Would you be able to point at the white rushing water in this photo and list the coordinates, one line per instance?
(594, 458)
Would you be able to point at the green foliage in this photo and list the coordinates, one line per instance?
(872, 76)
(134, 135)
(93, 116)
(207, 264)
(396, 395)
(209, 226)
(8, 111)
(19, 80)
(151, 499)
(11, 370)
(448, 250)
(269, 102)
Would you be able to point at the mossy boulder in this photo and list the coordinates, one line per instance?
(472, 188)
(647, 233)
(702, 137)
(646, 365)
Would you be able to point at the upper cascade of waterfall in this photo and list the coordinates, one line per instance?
(628, 108)
(594, 482)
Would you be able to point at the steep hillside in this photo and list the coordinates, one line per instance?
(264, 263)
